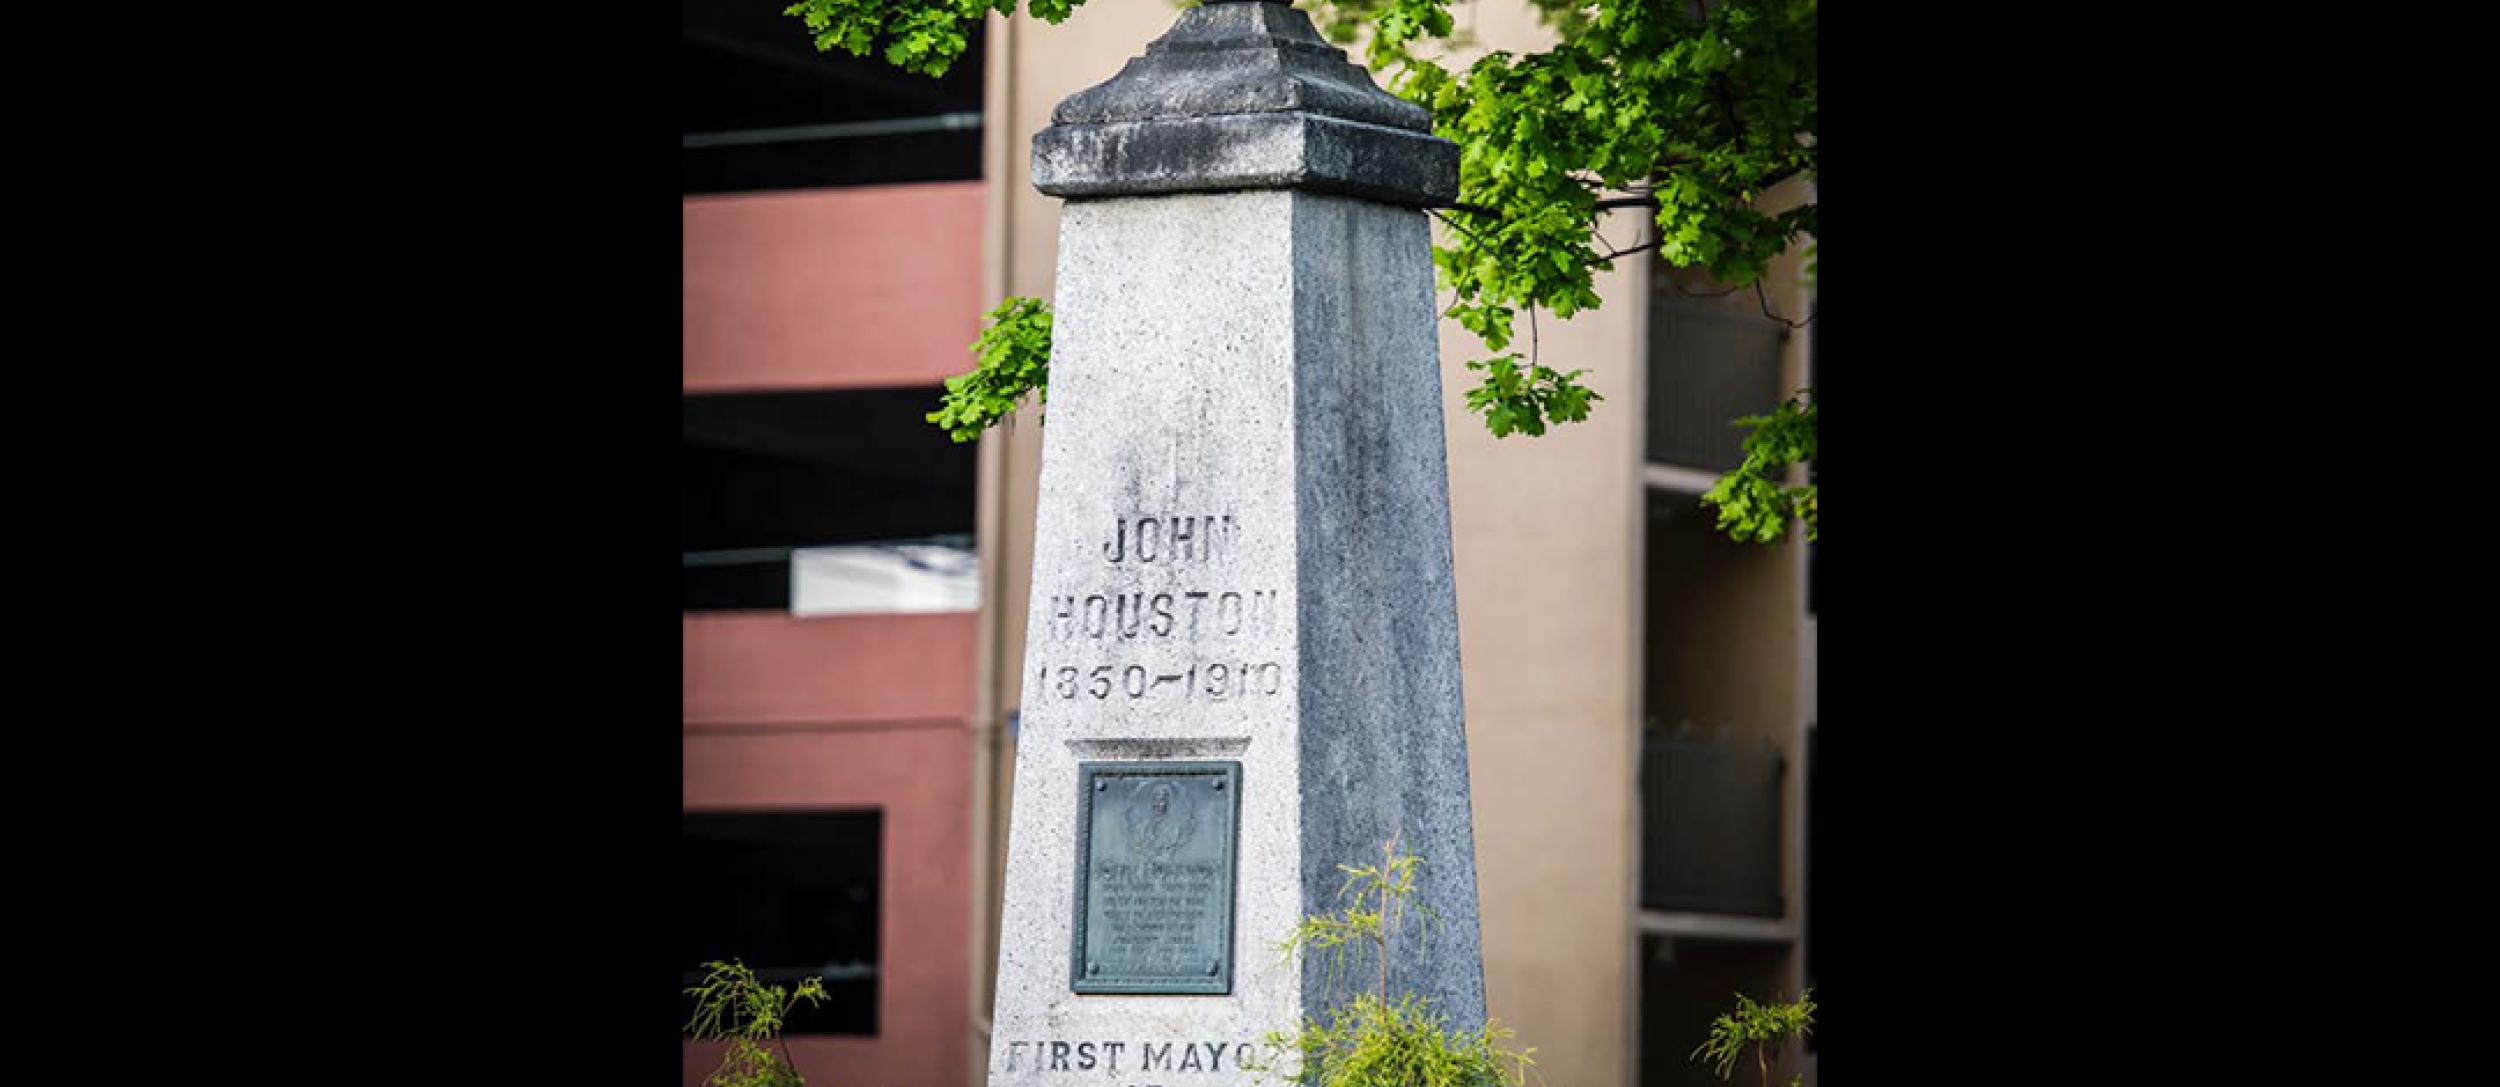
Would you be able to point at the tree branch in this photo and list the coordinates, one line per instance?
(1727, 103)
(1472, 239)
(1781, 176)
(1532, 347)
(1765, 300)
(1679, 289)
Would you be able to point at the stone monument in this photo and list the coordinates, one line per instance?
(1241, 668)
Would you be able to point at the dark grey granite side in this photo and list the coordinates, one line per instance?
(1383, 733)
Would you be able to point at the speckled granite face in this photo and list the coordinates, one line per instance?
(1242, 555)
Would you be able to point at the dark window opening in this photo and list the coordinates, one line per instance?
(792, 895)
(759, 108)
(764, 474)
(1711, 771)
(1687, 983)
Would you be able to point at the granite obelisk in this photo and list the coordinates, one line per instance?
(1242, 661)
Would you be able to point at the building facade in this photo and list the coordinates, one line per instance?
(1639, 689)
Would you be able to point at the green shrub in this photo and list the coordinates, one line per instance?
(1376, 1039)
(1765, 1027)
(733, 1005)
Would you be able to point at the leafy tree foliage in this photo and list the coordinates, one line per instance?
(1687, 109)
(1523, 398)
(924, 36)
(1754, 502)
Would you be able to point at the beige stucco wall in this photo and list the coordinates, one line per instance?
(1792, 298)
(1547, 537)
(1545, 533)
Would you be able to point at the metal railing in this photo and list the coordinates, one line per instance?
(1710, 823)
(1709, 365)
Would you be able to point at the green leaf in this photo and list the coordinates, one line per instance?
(1014, 353)
(1754, 502)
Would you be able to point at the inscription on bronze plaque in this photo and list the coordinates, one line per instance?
(1154, 881)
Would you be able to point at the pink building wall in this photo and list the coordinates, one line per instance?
(835, 288)
(847, 288)
(846, 713)
(766, 669)
(920, 775)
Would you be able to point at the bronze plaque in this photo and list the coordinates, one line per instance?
(1154, 880)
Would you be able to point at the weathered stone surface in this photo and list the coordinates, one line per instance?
(1244, 96)
(1224, 59)
(1255, 376)
(1241, 556)
(1249, 151)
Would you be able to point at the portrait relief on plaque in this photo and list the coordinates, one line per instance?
(1161, 821)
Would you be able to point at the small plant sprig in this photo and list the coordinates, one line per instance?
(1374, 1040)
(1765, 1027)
(735, 1006)
(1379, 895)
